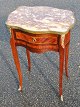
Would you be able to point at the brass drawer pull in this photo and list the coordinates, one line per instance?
(34, 39)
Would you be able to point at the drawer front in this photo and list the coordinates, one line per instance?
(37, 38)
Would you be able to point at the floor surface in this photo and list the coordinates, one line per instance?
(40, 87)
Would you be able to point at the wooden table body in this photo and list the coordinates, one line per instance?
(40, 43)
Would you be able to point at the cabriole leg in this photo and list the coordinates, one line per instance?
(61, 54)
(28, 57)
(66, 58)
(16, 60)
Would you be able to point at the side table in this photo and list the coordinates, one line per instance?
(40, 29)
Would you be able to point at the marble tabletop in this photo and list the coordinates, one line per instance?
(41, 19)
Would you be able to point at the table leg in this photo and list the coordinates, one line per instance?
(61, 54)
(16, 60)
(66, 58)
(29, 62)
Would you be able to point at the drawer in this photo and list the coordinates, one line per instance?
(37, 38)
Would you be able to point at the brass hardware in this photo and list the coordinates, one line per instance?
(62, 40)
(10, 33)
(34, 39)
(61, 97)
(19, 88)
